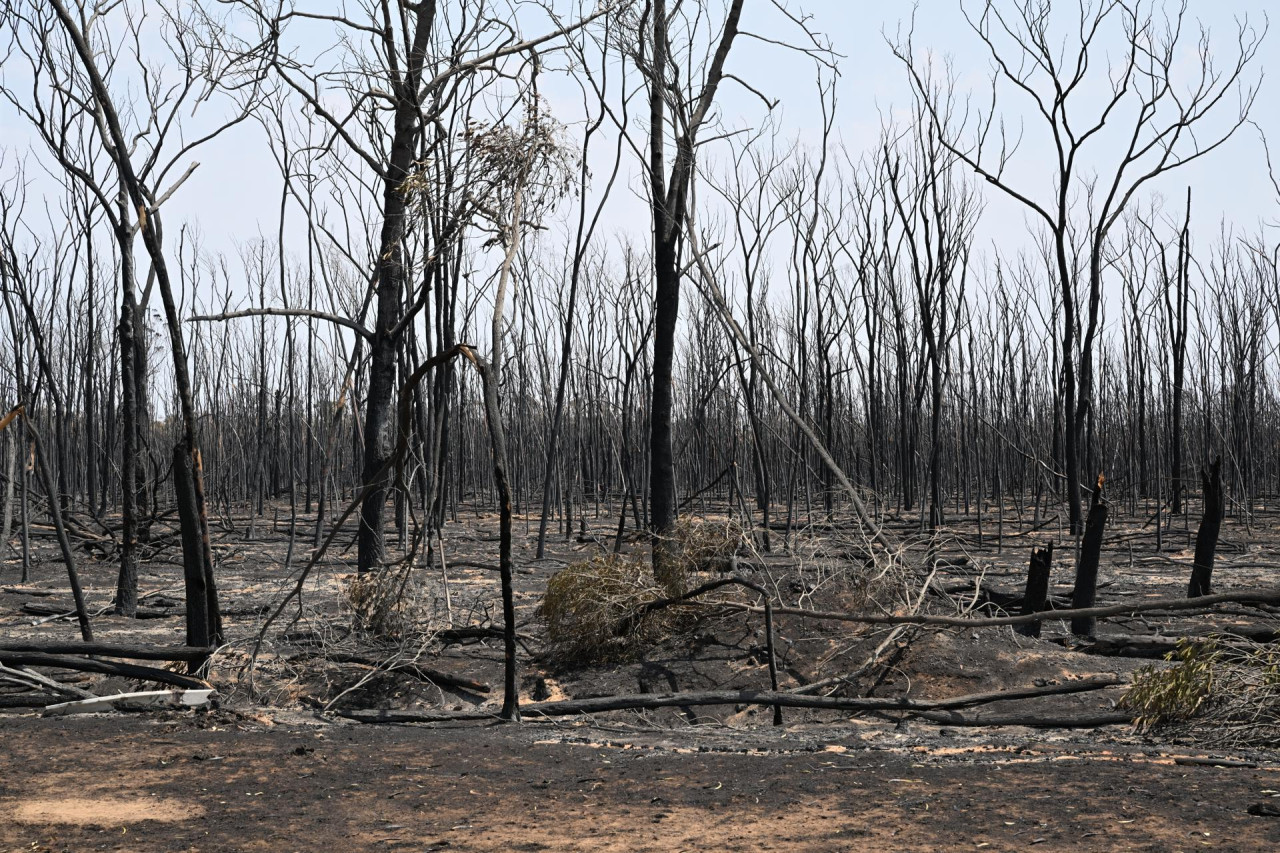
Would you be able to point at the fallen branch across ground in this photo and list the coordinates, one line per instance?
(422, 673)
(29, 700)
(1260, 596)
(36, 681)
(111, 650)
(128, 670)
(60, 611)
(646, 701)
(1085, 720)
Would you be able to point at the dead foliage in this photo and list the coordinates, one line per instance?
(589, 605)
(388, 604)
(585, 603)
(707, 544)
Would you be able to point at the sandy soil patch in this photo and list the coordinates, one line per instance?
(103, 811)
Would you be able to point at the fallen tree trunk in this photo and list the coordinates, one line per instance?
(1034, 721)
(1151, 647)
(28, 700)
(1156, 646)
(36, 681)
(111, 650)
(127, 670)
(1259, 596)
(36, 608)
(470, 632)
(422, 673)
(648, 701)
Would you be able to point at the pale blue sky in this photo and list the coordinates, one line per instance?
(234, 194)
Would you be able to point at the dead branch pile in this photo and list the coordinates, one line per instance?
(389, 603)
(706, 544)
(585, 601)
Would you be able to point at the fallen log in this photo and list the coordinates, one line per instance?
(453, 635)
(35, 681)
(36, 608)
(1208, 761)
(1123, 646)
(470, 632)
(422, 673)
(648, 701)
(1263, 596)
(28, 700)
(1032, 721)
(383, 716)
(1159, 645)
(127, 670)
(111, 650)
(75, 527)
(68, 614)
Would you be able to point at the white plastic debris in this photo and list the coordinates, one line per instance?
(132, 701)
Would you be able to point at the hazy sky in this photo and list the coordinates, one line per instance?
(234, 187)
(235, 192)
(1230, 182)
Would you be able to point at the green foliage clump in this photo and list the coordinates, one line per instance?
(1167, 696)
(1224, 691)
(587, 603)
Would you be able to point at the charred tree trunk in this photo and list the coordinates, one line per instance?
(498, 442)
(147, 224)
(1037, 592)
(55, 514)
(11, 470)
(199, 622)
(668, 199)
(89, 406)
(1176, 311)
(1210, 526)
(1086, 588)
(24, 517)
(126, 603)
(379, 422)
(662, 477)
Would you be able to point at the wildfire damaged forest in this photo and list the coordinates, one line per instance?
(525, 424)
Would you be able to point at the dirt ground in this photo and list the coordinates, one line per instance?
(221, 783)
(272, 769)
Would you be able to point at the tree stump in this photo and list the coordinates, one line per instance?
(1037, 592)
(1210, 526)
